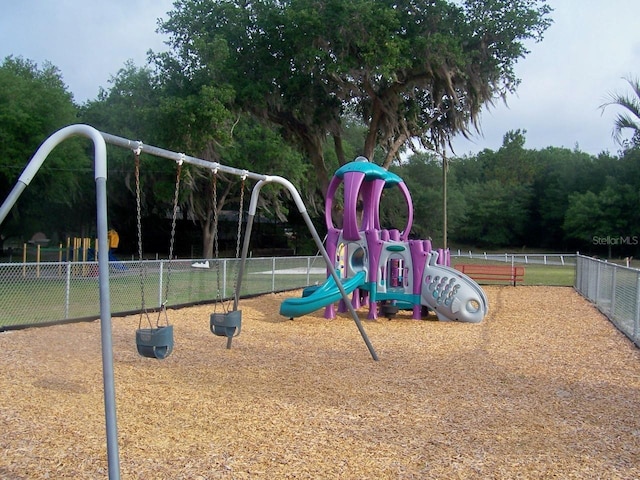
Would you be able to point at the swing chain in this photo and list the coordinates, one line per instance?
(172, 238)
(240, 216)
(215, 231)
(216, 246)
(143, 308)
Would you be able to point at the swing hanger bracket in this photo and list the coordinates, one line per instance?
(182, 159)
(138, 149)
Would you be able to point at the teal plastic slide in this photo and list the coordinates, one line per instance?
(327, 293)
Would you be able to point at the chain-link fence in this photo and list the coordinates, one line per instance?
(50, 292)
(615, 290)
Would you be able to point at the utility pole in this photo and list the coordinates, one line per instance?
(445, 167)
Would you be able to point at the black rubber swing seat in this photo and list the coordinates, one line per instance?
(155, 342)
(226, 324)
(389, 310)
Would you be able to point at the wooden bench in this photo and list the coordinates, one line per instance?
(499, 273)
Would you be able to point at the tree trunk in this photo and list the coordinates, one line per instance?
(444, 201)
(393, 151)
(372, 134)
(376, 115)
(313, 148)
(337, 144)
(207, 238)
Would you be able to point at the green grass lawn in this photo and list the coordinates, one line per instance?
(549, 275)
(37, 300)
(29, 300)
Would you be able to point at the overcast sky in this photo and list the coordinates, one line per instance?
(591, 45)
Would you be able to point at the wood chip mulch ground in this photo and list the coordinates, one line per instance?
(545, 387)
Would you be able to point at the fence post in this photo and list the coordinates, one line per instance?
(613, 292)
(636, 322)
(596, 298)
(309, 270)
(160, 280)
(67, 291)
(273, 274)
(224, 278)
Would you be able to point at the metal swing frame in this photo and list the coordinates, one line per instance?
(100, 140)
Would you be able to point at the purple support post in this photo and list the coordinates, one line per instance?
(328, 203)
(419, 257)
(352, 183)
(372, 204)
(374, 245)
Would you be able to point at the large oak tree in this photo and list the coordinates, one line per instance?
(415, 72)
(163, 106)
(34, 103)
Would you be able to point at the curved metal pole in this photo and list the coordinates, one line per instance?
(100, 169)
(255, 194)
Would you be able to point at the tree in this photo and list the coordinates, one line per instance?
(583, 218)
(410, 70)
(422, 173)
(497, 214)
(131, 108)
(629, 119)
(197, 109)
(598, 219)
(160, 106)
(34, 103)
(187, 112)
(559, 172)
(511, 164)
(260, 149)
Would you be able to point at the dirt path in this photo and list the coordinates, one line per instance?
(545, 387)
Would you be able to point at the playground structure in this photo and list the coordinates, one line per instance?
(382, 268)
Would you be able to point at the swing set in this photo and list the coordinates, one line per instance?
(157, 341)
